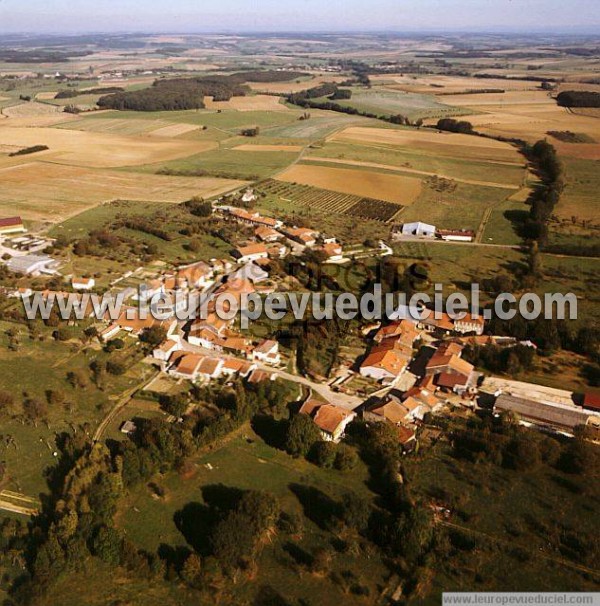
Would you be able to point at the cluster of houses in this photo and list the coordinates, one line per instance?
(418, 229)
(392, 349)
(273, 239)
(434, 371)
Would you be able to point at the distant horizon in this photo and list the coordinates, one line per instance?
(74, 17)
(571, 31)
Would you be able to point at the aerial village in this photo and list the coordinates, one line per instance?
(410, 368)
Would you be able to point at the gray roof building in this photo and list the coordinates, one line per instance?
(541, 413)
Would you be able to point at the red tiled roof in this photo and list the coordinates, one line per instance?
(450, 381)
(329, 417)
(310, 406)
(392, 411)
(391, 361)
(11, 221)
(592, 401)
(252, 249)
(405, 434)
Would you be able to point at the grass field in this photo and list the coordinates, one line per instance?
(387, 102)
(121, 126)
(457, 266)
(247, 462)
(461, 206)
(580, 197)
(38, 366)
(321, 124)
(242, 163)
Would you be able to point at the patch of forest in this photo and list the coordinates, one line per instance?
(188, 93)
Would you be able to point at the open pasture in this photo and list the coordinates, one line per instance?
(97, 149)
(398, 189)
(51, 192)
(31, 110)
(458, 206)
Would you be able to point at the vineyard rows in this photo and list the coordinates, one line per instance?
(331, 201)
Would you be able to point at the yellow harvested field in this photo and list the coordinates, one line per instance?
(268, 148)
(532, 122)
(41, 191)
(46, 95)
(391, 188)
(102, 150)
(440, 143)
(524, 97)
(441, 85)
(248, 104)
(32, 109)
(528, 115)
(294, 86)
(404, 169)
(173, 130)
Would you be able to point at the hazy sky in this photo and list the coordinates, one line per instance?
(295, 15)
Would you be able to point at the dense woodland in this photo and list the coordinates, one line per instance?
(578, 98)
(188, 93)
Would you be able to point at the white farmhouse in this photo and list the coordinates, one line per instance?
(423, 230)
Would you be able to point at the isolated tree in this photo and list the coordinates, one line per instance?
(91, 332)
(323, 454)
(302, 433)
(356, 512)
(345, 458)
(153, 336)
(35, 409)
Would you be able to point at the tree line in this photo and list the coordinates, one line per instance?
(578, 98)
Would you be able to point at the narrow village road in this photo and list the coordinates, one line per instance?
(120, 405)
(340, 399)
